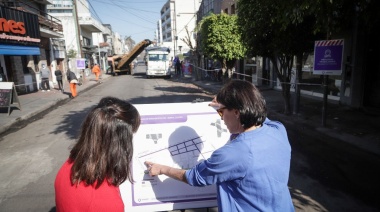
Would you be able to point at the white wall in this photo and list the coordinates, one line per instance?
(185, 16)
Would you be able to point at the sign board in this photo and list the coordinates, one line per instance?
(178, 135)
(81, 63)
(328, 57)
(8, 96)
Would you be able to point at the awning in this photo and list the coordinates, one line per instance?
(19, 50)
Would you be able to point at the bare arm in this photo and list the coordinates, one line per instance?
(158, 169)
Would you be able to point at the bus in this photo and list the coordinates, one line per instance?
(157, 61)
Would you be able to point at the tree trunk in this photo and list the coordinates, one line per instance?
(284, 79)
(297, 87)
(286, 97)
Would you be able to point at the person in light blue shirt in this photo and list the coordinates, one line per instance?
(251, 171)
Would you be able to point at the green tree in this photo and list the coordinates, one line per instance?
(221, 40)
(281, 30)
(265, 34)
(72, 53)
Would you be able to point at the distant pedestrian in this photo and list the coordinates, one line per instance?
(96, 70)
(58, 76)
(177, 65)
(73, 80)
(45, 76)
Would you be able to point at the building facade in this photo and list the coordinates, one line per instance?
(178, 22)
(29, 38)
(85, 36)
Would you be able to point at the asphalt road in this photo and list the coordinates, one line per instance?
(31, 156)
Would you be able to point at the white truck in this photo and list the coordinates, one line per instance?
(157, 62)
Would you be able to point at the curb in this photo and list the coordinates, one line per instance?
(47, 108)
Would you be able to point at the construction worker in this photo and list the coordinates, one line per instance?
(96, 70)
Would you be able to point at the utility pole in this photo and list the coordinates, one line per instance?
(175, 37)
(77, 28)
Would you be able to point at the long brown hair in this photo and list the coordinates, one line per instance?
(104, 149)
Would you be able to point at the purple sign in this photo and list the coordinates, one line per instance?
(328, 56)
(81, 64)
(166, 118)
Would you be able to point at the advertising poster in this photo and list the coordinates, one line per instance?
(328, 57)
(178, 135)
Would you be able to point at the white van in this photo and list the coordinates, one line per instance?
(157, 62)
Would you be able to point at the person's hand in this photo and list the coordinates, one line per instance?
(214, 104)
(154, 169)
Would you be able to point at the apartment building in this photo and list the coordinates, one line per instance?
(178, 21)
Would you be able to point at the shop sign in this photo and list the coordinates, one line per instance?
(18, 27)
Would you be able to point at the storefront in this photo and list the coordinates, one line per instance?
(19, 48)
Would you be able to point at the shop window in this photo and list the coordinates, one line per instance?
(24, 61)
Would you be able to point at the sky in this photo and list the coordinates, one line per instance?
(135, 18)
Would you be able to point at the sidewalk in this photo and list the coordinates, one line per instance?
(33, 104)
(355, 127)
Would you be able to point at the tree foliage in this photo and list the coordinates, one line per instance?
(221, 40)
(281, 30)
(72, 53)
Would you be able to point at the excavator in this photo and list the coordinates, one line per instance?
(123, 63)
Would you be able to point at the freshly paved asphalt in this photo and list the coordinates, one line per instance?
(356, 127)
(346, 126)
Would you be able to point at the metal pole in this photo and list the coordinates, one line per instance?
(77, 27)
(324, 107)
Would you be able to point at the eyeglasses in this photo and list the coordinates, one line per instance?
(220, 111)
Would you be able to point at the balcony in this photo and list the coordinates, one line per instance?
(106, 31)
(45, 1)
(90, 24)
(50, 27)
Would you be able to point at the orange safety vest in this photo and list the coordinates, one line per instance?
(96, 69)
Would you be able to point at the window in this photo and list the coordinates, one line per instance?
(24, 61)
(157, 57)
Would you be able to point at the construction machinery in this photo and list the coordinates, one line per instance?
(123, 63)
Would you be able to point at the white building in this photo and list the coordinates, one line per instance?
(177, 18)
(119, 45)
(83, 34)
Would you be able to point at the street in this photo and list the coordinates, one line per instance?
(31, 156)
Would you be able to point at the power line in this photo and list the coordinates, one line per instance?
(134, 8)
(94, 11)
(187, 24)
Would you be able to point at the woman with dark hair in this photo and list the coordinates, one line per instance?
(251, 171)
(100, 160)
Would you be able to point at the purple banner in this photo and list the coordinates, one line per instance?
(166, 118)
(328, 56)
(81, 64)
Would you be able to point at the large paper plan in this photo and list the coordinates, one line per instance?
(178, 135)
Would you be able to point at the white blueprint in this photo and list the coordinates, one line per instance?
(178, 135)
